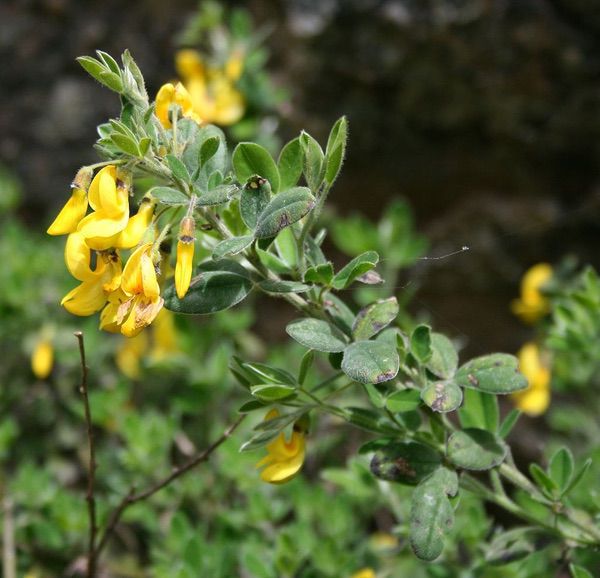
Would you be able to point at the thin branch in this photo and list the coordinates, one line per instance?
(91, 501)
(132, 497)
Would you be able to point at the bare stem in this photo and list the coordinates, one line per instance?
(133, 497)
(91, 501)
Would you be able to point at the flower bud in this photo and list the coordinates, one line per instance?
(185, 256)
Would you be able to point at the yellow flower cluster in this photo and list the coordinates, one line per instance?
(129, 296)
(210, 93)
(284, 457)
(536, 398)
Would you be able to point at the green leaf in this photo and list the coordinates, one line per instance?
(218, 196)
(112, 81)
(317, 334)
(290, 164)
(376, 397)
(369, 420)
(251, 159)
(475, 449)
(178, 168)
(255, 196)
(561, 468)
(261, 373)
(284, 286)
(126, 144)
(209, 148)
(251, 405)
(216, 286)
(145, 146)
(479, 410)
(404, 462)
(336, 150)
(320, 274)
(442, 396)
(405, 400)
(354, 269)
(579, 571)
(339, 311)
(431, 513)
(92, 66)
(444, 358)
(283, 210)
(285, 242)
(271, 393)
(370, 361)
(543, 480)
(232, 246)
(169, 196)
(314, 161)
(509, 421)
(272, 262)
(420, 343)
(259, 440)
(496, 373)
(578, 476)
(305, 365)
(109, 61)
(372, 319)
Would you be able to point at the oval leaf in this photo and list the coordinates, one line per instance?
(255, 196)
(217, 196)
(406, 400)
(252, 159)
(270, 392)
(374, 318)
(371, 361)
(285, 209)
(443, 396)
(475, 449)
(406, 462)
(290, 164)
(444, 358)
(317, 334)
(284, 286)
(497, 373)
(216, 286)
(232, 246)
(354, 269)
(169, 196)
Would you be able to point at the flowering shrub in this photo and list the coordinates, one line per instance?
(243, 222)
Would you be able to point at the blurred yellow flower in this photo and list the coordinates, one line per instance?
(42, 358)
(532, 304)
(164, 336)
(284, 458)
(364, 573)
(536, 398)
(185, 256)
(173, 95)
(212, 90)
(129, 355)
(75, 208)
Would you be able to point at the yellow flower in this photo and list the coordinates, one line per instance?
(213, 94)
(185, 256)
(364, 573)
(164, 336)
(130, 354)
(284, 458)
(170, 95)
(42, 358)
(140, 285)
(75, 208)
(533, 304)
(109, 197)
(235, 65)
(91, 295)
(536, 398)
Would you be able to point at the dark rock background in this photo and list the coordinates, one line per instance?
(485, 114)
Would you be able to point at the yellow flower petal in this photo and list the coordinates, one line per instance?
(70, 215)
(85, 299)
(78, 258)
(536, 398)
(109, 316)
(183, 267)
(133, 233)
(533, 402)
(42, 359)
(532, 304)
(234, 65)
(105, 181)
(364, 573)
(142, 312)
